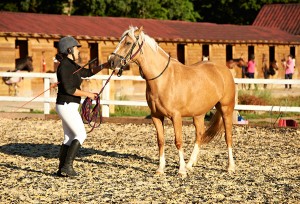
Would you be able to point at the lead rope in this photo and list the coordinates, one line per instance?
(90, 114)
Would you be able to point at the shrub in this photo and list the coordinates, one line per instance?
(247, 99)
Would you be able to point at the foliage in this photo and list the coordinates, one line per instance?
(265, 98)
(241, 12)
(34, 6)
(251, 99)
(131, 111)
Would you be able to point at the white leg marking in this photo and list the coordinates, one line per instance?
(193, 158)
(182, 169)
(162, 164)
(231, 165)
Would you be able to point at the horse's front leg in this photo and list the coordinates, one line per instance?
(199, 126)
(158, 123)
(177, 123)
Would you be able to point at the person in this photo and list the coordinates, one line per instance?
(270, 71)
(69, 95)
(243, 66)
(265, 69)
(251, 68)
(289, 69)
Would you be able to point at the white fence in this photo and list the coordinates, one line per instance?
(46, 99)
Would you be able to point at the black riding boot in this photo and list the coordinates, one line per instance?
(67, 169)
(62, 157)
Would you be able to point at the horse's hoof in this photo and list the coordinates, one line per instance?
(189, 168)
(231, 169)
(159, 172)
(182, 175)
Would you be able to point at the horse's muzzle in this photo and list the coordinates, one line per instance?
(116, 61)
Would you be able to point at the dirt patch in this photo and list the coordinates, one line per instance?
(117, 164)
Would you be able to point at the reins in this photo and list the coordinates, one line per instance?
(90, 114)
(143, 76)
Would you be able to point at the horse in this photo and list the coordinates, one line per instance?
(22, 64)
(174, 90)
(239, 63)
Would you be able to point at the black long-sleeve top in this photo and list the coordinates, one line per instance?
(69, 81)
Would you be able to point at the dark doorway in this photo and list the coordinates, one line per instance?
(180, 53)
(205, 51)
(228, 52)
(250, 51)
(271, 53)
(293, 51)
(22, 46)
(94, 54)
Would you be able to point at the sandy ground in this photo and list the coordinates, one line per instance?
(117, 164)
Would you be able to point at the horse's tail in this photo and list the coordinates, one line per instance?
(214, 130)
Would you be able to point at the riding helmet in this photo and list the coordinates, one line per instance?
(66, 44)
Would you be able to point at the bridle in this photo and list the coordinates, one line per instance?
(129, 56)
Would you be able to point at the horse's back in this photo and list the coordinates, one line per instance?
(212, 70)
(218, 78)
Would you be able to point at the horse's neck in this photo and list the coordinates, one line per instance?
(153, 63)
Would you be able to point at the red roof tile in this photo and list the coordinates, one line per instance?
(283, 16)
(113, 27)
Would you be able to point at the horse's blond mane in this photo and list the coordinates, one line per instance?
(146, 38)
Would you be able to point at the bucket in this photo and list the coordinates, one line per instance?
(282, 123)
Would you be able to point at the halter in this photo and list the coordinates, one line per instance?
(130, 56)
(125, 60)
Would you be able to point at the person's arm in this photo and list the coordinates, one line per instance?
(98, 68)
(80, 93)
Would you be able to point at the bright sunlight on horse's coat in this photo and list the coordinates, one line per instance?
(175, 90)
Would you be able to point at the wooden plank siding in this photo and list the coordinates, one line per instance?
(42, 45)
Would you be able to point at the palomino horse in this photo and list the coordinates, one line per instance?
(175, 90)
(22, 64)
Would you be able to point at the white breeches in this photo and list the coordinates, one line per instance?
(71, 122)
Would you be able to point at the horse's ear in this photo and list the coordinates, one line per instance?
(140, 30)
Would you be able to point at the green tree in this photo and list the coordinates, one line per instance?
(180, 10)
(33, 6)
(156, 9)
(241, 12)
(89, 7)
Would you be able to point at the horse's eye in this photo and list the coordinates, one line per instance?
(128, 43)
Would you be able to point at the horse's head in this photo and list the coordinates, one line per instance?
(24, 64)
(129, 47)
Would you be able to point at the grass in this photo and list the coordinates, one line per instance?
(264, 97)
(257, 97)
(131, 111)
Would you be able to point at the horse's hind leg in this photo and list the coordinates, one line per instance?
(199, 127)
(158, 123)
(227, 113)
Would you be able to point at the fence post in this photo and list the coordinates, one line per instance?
(46, 95)
(105, 96)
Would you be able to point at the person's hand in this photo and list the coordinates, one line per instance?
(93, 96)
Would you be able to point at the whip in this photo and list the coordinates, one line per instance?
(54, 85)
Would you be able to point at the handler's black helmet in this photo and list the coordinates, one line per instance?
(66, 44)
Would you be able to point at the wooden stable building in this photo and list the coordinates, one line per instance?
(37, 35)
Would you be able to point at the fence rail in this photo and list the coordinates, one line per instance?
(46, 99)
